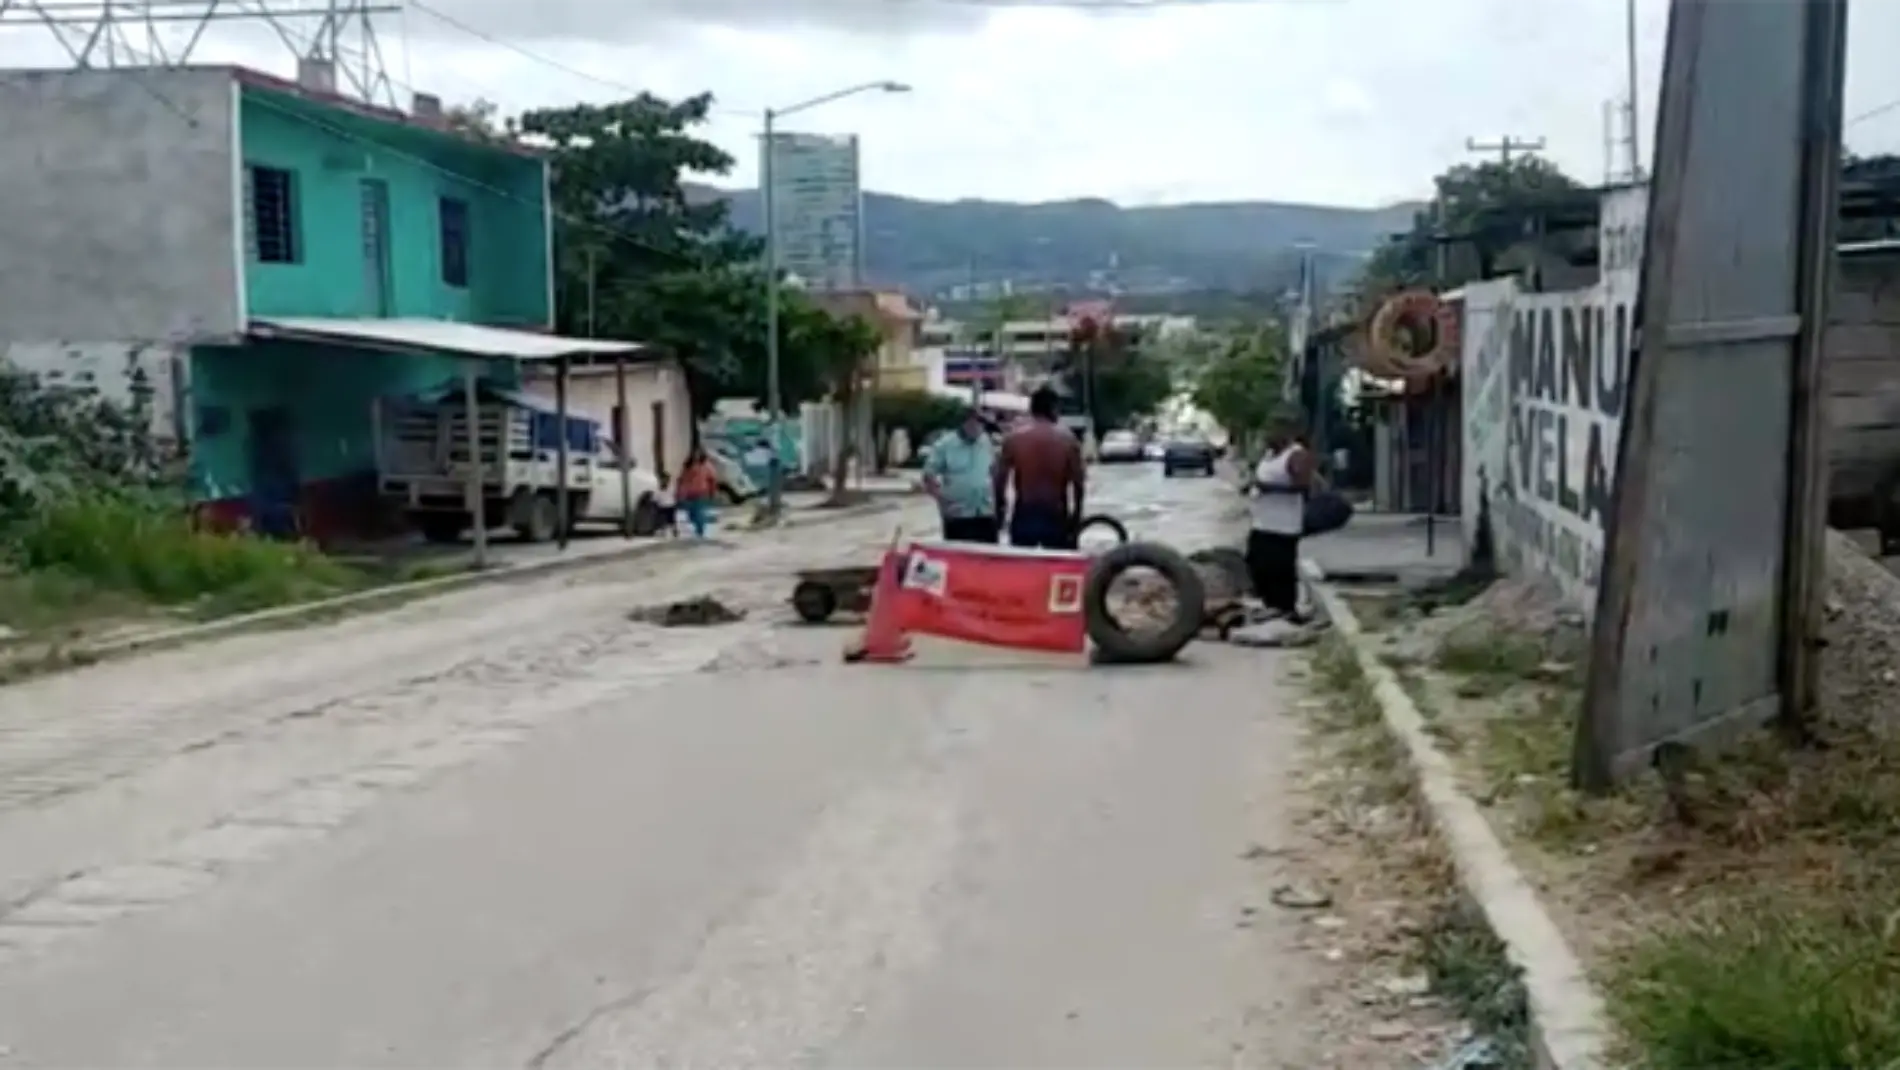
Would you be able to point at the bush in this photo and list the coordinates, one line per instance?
(917, 412)
(146, 546)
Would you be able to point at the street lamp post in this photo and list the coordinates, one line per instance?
(776, 491)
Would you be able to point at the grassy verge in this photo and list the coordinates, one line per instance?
(1451, 943)
(125, 558)
(1745, 917)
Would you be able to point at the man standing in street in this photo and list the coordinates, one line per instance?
(958, 475)
(1044, 461)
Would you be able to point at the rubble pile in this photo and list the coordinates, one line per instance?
(687, 613)
(1860, 665)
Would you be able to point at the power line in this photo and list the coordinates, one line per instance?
(1875, 112)
(501, 42)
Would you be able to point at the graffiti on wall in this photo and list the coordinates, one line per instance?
(1547, 377)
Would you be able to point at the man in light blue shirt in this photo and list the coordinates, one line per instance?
(958, 475)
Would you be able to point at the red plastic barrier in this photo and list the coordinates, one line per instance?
(995, 595)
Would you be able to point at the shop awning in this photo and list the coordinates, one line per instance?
(442, 336)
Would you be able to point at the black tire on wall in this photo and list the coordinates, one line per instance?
(1103, 520)
(1116, 646)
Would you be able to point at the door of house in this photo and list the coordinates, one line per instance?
(375, 211)
(271, 447)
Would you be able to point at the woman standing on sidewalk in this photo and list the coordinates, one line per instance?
(698, 485)
(1278, 512)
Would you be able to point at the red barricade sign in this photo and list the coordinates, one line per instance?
(995, 595)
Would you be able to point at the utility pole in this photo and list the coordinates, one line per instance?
(1505, 146)
(1629, 65)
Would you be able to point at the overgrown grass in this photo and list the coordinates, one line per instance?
(1768, 983)
(101, 551)
(1469, 967)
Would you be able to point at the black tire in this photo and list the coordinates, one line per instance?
(538, 519)
(1116, 646)
(441, 528)
(814, 601)
(1103, 520)
(646, 516)
(1167, 471)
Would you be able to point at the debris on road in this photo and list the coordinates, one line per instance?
(1295, 897)
(688, 613)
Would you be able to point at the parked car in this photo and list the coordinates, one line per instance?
(1119, 447)
(1188, 455)
(1154, 451)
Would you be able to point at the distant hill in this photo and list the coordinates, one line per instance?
(930, 247)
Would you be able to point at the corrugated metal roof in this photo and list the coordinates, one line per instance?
(440, 336)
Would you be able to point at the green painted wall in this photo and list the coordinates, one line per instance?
(328, 390)
(330, 151)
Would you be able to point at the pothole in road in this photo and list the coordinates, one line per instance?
(699, 612)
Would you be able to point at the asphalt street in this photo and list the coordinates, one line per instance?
(512, 827)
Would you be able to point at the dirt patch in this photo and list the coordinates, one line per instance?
(1749, 916)
(688, 613)
(1420, 980)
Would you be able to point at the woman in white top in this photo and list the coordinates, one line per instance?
(1280, 484)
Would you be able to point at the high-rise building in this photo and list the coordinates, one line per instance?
(819, 209)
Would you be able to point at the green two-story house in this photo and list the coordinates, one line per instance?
(257, 261)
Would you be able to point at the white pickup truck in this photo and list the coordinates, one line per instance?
(423, 463)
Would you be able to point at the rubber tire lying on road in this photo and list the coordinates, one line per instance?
(1115, 646)
(814, 601)
(1103, 520)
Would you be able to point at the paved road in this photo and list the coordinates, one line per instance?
(509, 827)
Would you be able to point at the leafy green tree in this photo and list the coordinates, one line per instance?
(1240, 385)
(840, 349)
(1491, 202)
(638, 258)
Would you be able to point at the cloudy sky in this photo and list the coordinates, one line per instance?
(1354, 102)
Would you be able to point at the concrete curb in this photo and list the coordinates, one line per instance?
(437, 585)
(1569, 1029)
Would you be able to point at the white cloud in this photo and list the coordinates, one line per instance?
(1331, 101)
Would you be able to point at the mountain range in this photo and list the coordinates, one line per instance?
(947, 249)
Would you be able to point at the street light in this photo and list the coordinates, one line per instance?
(776, 491)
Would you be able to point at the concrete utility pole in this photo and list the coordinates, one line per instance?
(1629, 69)
(768, 148)
(1505, 146)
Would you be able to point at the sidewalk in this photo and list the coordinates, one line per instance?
(1389, 548)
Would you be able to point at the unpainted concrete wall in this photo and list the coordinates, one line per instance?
(119, 210)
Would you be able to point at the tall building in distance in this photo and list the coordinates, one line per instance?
(819, 209)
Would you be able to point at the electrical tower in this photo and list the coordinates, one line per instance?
(1505, 146)
(166, 33)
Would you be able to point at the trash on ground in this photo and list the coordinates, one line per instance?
(692, 612)
(1478, 1053)
(1277, 632)
(1295, 897)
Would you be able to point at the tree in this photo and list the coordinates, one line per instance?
(840, 349)
(1240, 386)
(1489, 202)
(637, 258)
(1119, 374)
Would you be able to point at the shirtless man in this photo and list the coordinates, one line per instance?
(1045, 462)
